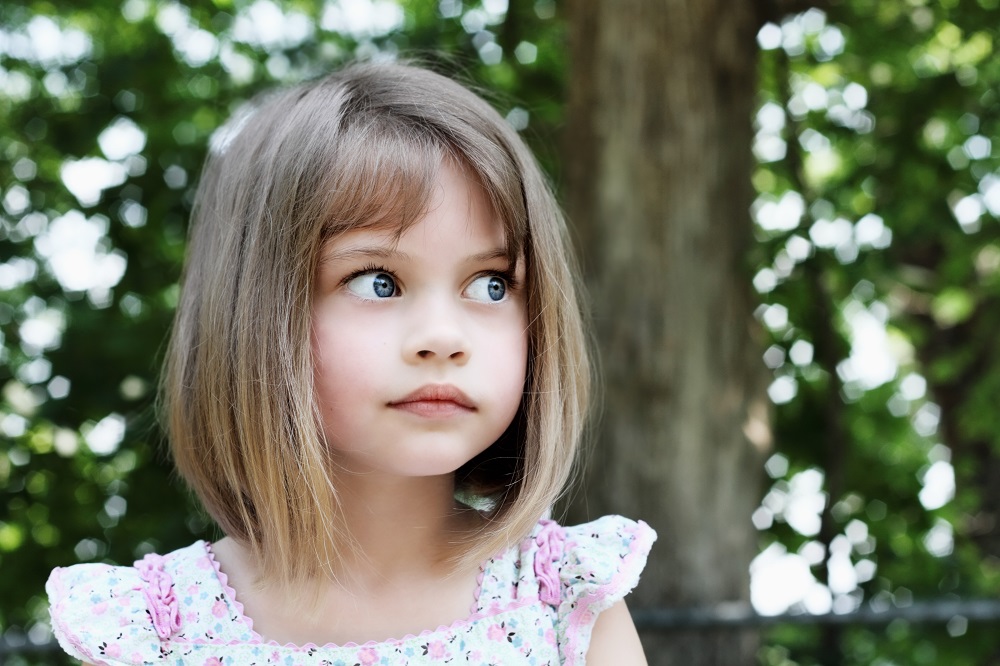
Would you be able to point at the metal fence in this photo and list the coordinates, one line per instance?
(742, 616)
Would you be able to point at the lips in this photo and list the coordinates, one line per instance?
(435, 400)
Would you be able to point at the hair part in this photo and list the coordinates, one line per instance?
(360, 147)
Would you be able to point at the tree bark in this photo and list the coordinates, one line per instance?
(658, 162)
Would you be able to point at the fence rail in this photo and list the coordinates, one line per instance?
(742, 616)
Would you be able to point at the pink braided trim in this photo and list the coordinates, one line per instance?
(159, 593)
(551, 542)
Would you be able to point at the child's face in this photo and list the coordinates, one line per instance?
(420, 346)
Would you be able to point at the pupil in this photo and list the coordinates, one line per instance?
(384, 286)
(496, 289)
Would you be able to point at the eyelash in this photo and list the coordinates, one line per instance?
(506, 274)
(369, 268)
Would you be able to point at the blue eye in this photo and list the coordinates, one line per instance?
(373, 285)
(487, 289)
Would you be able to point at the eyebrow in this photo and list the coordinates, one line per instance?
(498, 253)
(367, 252)
(377, 252)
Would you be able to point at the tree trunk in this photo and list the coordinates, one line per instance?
(658, 164)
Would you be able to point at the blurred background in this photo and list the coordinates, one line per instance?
(862, 469)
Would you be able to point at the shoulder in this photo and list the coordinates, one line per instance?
(584, 570)
(116, 615)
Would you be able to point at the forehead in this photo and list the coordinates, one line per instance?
(402, 200)
(456, 221)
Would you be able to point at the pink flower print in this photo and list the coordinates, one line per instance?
(496, 632)
(367, 656)
(191, 617)
(192, 590)
(436, 650)
(219, 607)
(550, 636)
(213, 661)
(113, 650)
(99, 609)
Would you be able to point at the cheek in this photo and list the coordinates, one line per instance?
(345, 365)
(508, 356)
(519, 356)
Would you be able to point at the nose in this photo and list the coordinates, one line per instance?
(436, 334)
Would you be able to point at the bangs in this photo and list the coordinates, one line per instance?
(381, 178)
(384, 174)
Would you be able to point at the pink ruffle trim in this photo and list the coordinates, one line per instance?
(230, 592)
(551, 542)
(160, 598)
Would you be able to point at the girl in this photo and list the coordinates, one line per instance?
(376, 384)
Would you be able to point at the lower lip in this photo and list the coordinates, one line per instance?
(432, 408)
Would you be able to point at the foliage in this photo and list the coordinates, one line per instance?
(109, 108)
(877, 217)
(876, 213)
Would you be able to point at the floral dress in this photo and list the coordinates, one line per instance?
(536, 604)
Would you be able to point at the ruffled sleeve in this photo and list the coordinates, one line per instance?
(100, 614)
(598, 564)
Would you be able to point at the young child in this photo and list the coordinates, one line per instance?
(376, 385)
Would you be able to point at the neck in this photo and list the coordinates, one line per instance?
(399, 525)
(405, 532)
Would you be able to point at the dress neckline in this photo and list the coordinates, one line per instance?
(475, 611)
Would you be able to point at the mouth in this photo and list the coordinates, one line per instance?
(435, 400)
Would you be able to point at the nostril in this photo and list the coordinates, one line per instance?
(437, 351)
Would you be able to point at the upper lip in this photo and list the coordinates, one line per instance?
(437, 393)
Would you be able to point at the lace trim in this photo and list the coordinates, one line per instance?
(160, 598)
(230, 592)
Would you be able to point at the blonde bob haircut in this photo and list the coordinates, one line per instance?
(358, 148)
